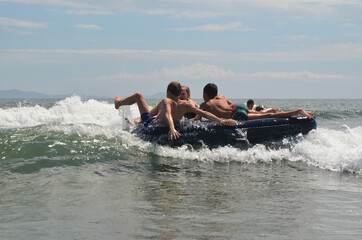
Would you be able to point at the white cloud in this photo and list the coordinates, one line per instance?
(16, 31)
(203, 72)
(302, 38)
(342, 51)
(212, 8)
(88, 26)
(217, 8)
(10, 22)
(88, 12)
(178, 12)
(18, 54)
(338, 52)
(124, 76)
(303, 75)
(348, 24)
(69, 3)
(231, 26)
(52, 10)
(197, 71)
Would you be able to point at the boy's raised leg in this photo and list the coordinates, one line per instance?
(135, 98)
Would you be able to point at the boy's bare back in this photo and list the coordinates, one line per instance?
(176, 108)
(180, 107)
(218, 106)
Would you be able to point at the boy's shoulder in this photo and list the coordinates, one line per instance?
(184, 102)
(193, 102)
(218, 97)
(167, 100)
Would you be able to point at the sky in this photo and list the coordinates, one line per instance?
(250, 48)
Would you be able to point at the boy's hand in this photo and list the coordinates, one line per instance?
(174, 135)
(228, 122)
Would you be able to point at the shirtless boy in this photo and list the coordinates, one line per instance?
(223, 108)
(169, 110)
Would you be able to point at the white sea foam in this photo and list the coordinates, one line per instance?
(331, 149)
(335, 150)
(68, 111)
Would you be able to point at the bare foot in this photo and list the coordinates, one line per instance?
(117, 100)
(310, 113)
(305, 113)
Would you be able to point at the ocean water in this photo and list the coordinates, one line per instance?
(71, 169)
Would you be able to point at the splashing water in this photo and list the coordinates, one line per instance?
(94, 120)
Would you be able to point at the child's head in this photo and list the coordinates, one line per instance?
(174, 88)
(185, 93)
(210, 90)
(250, 104)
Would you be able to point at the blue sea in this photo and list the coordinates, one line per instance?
(71, 169)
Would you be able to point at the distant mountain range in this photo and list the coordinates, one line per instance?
(15, 93)
(159, 95)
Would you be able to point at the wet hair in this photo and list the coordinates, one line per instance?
(250, 102)
(187, 89)
(211, 90)
(174, 88)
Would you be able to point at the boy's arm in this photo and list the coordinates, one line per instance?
(168, 115)
(198, 117)
(194, 103)
(212, 117)
(228, 101)
(254, 112)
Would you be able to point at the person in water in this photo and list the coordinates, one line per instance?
(259, 108)
(185, 95)
(223, 108)
(250, 104)
(169, 111)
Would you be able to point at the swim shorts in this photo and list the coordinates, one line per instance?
(147, 118)
(240, 112)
